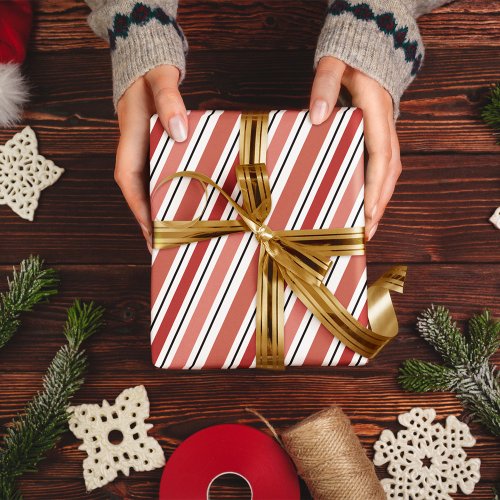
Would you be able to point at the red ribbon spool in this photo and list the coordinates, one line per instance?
(229, 449)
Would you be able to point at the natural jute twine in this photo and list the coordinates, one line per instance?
(330, 459)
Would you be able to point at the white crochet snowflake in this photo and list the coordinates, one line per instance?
(24, 173)
(96, 425)
(427, 460)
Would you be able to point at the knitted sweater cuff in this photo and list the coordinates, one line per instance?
(141, 37)
(381, 42)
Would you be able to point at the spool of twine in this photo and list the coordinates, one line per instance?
(330, 459)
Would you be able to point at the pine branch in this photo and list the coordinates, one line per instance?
(491, 112)
(436, 326)
(484, 340)
(467, 371)
(421, 376)
(32, 434)
(28, 286)
(83, 321)
(479, 392)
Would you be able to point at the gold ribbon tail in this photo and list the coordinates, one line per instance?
(381, 312)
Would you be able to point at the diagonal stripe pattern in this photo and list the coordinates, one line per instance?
(301, 258)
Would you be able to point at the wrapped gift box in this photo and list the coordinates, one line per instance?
(203, 294)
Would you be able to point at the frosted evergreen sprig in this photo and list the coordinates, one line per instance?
(491, 112)
(467, 370)
(31, 434)
(28, 286)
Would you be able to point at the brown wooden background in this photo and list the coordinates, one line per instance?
(249, 53)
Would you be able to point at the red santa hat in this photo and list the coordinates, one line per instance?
(15, 27)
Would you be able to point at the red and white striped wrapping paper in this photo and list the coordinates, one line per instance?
(203, 294)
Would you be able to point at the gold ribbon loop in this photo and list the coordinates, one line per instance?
(301, 258)
(254, 184)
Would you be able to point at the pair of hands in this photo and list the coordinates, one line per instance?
(158, 92)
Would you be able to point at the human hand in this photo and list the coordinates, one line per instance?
(156, 92)
(384, 161)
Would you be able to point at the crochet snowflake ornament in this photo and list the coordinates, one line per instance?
(427, 460)
(24, 173)
(95, 425)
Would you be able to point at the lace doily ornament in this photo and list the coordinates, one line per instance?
(427, 460)
(115, 437)
(495, 218)
(24, 173)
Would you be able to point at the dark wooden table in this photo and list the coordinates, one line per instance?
(248, 53)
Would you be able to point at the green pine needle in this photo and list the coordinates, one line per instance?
(437, 327)
(37, 430)
(422, 376)
(84, 319)
(491, 112)
(467, 371)
(28, 286)
(484, 340)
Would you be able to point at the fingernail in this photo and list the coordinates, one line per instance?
(372, 232)
(374, 211)
(178, 130)
(319, 110)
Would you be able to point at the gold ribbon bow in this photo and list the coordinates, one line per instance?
(301, 258)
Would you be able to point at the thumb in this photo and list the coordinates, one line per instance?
(163, 81)
(325, 89)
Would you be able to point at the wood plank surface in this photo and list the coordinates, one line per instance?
(183, 402)
(290, 24)
(124, 292)
(439, 213)
(249, 54)
(443, 118)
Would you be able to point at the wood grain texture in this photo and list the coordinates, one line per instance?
(72, 89)
(124, 292)
(292, 24)
(183, 402)
(256, 54)
(439, 213)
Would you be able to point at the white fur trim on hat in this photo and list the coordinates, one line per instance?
(13, 93)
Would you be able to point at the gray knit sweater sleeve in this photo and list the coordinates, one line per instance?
(141, 35)
(378, 37)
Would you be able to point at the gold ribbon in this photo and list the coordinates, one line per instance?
(301, 258)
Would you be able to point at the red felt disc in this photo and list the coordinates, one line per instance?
(229, 448)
